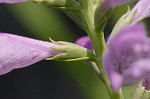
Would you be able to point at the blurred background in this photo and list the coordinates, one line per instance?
(51, 79)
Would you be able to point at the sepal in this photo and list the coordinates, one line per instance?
(71, 52)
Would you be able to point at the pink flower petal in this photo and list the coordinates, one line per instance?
(18, 52)
(12, 1)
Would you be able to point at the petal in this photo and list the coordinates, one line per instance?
(116, 81)
(138, 70)
(114, 3)
(85, 42)
(143, 10)
(128, 33)
(18, 52)
(141, 68)
(12, 1)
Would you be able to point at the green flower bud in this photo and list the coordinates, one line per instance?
(71, 52)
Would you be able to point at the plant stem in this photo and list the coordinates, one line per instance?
(99, 48)
(88, 16)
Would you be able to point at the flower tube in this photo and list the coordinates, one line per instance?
(18, 52)
(12, 1)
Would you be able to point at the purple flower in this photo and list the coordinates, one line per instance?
(143, 10)
(142, 7)
(127, 59)
(18, 52)
(12, 1)
(85, 42)
(114, 3)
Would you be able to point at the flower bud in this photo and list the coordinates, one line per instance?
(85, 42)
(71, 52)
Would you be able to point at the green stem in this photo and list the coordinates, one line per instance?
(99, 47)
(102, 76)
(88, 14)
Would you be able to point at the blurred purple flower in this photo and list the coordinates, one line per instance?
(12, 1)
(85, 42)
(18, 52)
(114, 3)
(127, 59)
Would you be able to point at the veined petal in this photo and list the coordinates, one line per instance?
(143, 10)
(12, 1)
(114, 3)
(85, 42)
(18, 52)
(128, 56)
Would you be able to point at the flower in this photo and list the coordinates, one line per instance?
(18, 52)
(114, 3)
(140, 11)
(143, 10)
(85, 42)
(127, 58)
(12, 1)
